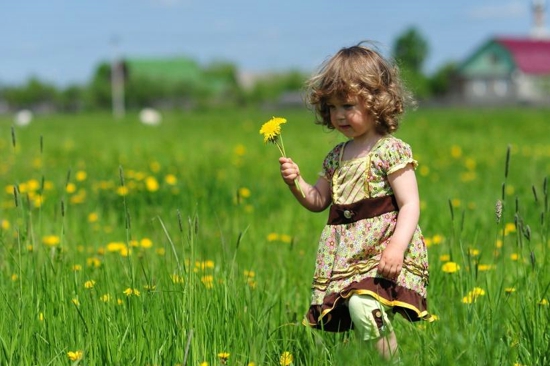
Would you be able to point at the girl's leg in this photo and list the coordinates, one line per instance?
(387, 346)
(372, 324)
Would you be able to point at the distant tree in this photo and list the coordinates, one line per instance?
(98, 93)
(31, 94)
(440, 81)
(410, 50)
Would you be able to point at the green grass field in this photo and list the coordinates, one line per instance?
(179, 244)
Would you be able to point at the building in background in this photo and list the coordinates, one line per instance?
(509, 70)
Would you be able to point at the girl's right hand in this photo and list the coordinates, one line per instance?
(289, 170)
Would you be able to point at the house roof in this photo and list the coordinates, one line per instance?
(531, 56)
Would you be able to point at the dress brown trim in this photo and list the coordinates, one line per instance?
(333, 314)
(363, 209)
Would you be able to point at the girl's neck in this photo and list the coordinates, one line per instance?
(360, 147)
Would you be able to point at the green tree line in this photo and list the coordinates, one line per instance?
(218, 85)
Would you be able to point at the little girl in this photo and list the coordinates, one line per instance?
(372, 260)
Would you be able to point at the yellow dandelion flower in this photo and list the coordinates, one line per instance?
(249, 274)
(272, 237)
(473, 252)
(468, 299)
(134, 243)
(150, 287)
(93, 262)
(76, 267)
(105, 298)
(498, 243)
(509, 228)
(131, 291)
(151, 184)
(286, 359)
(122, 191)
(208, 281)
(74, 356)
(93, 217)
(251, 364)
(543, 302)
(146, 243)
(160, 251)
(478, 291)
(509, 290)
(286, 238)
(437, 239)
(456, 151)
(171, 179)
(271, 130)
(75, 302)
(176, 278)
(51, 240)
(244, 192)
(14, 277)
(89, 284)
(41, 316)
(450, 267)
(444, 257)
(455, 202)
(485, 267)
(70, 188)
(4, 224)
(81, 175)
(119, 302)
(204, 363)
(514, 256)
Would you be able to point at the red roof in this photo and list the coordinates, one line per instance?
(532, 56)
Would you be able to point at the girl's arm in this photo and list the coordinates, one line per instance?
(317, 197)
(403, 183)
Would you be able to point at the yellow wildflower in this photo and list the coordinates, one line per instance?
(450, 267)
(130, 291)
(146, 243)
(77, 267)
(272, 237)
(51, 240)
(4, 224)
(171, 179)
(89, 284)
(514, 256)
(244, 192)
(74, 356)
(81, 175)
(93, 217)
(151, 184)
(444, 257)
(272, 129)
(75, 302)
(509, 290)
(543, 302)
(286, 359)
(105, 298)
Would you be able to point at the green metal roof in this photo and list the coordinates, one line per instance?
(169, 70)
(491, 59)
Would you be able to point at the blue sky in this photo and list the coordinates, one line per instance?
(62, 41)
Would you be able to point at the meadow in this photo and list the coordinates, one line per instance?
(179, 244)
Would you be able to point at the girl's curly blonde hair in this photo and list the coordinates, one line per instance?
(360, 71)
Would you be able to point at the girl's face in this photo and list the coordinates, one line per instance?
(351, 118)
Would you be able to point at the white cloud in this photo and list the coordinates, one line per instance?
(509, 10)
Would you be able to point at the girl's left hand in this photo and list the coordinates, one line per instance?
(391, 262)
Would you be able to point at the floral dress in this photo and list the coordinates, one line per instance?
(361, 222)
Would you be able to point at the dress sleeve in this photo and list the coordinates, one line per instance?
(397, 156)
(331, 162)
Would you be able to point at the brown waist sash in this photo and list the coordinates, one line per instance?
(364, 209)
